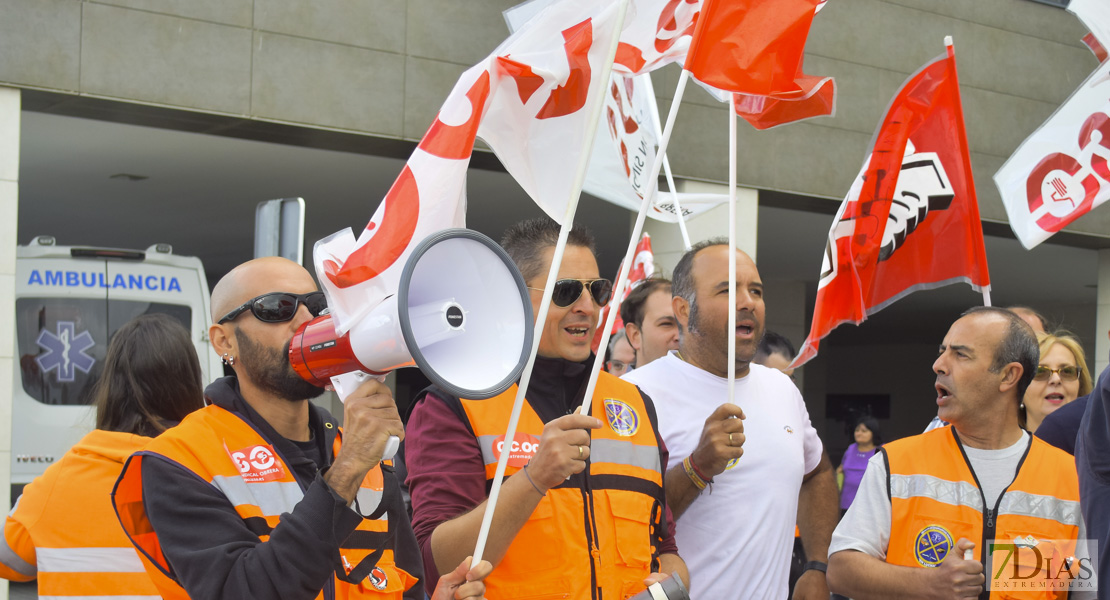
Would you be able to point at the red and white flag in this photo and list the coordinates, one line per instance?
(545, 86)
(1062, 171)
(536, 80)
(910, 220)
(1095, 14)
(643, 266)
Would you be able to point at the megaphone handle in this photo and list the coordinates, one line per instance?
(393, 444)
(969, 554)
(656, 591)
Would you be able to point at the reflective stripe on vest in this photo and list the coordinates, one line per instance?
(956, 493)
(13, 560)
(272, 497)
(88, 560)
(1024, 504)
(599, 528)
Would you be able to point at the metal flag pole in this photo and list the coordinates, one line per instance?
(630, 253)
(667, 163)
(552, 276)
(732, 247)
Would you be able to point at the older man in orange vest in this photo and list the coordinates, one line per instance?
(974, 500)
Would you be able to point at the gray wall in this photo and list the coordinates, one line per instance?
(382, 67)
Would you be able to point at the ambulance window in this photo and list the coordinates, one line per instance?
(62, 342)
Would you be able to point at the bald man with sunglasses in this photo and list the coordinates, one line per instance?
(582, 511)
(260, 494)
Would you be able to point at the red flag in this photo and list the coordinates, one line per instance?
(643, 266)
(910, 221)
(751, 46)
(1092, 42)
(765, 112)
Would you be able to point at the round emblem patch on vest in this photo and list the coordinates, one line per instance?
(931, 546)
(378, 579)
(622, 418)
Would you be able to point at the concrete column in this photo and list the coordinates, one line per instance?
(666, 239)
(9, 188)
(1102, 318)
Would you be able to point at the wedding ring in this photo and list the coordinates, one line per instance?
(580, 453)
(730, 439)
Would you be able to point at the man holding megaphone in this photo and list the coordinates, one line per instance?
(261, 494)
(582, 512)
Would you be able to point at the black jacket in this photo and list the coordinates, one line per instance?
(215, 555)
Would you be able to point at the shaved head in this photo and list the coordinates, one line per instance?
(254, 278)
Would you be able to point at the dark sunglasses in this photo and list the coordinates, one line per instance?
(1068, 373)
(277, 307)
(567, 291)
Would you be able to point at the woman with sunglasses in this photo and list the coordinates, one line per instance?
(1060, 378)
(64, 531)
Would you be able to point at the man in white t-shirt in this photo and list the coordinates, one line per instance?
(735, 525)
(952, 487)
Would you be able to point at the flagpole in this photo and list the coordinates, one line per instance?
(549, 287)
(650, 88)
(732, 247)
(630, 253)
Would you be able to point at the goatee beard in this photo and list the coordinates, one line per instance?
(270, 370)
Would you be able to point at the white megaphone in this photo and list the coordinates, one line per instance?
(461, 314)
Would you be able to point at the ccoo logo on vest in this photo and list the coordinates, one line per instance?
(521, 450)
(931, 545)
(258, 464)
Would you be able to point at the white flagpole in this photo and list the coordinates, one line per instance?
(986, 295)
(666, 163)
(732, 247)
(549, 287)
(630, 253)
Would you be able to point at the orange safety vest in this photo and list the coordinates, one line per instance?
(935, 500)
(233, 457)
(63, 531)
(597, 534)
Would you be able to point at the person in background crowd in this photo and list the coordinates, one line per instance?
(1060, 378)
(912, 510)
(737, 534)
(621, 355)
(1061, 426)
(776, 352)
(649, 320)
(581, 512)
(261, 494)
(63, 529)
(867, 441)
(1092, 459)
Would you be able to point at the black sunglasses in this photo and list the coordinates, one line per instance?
(567, 291)
(277, 307)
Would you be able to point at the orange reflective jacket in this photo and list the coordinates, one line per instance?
(233, 457)
(594, 536)
(935, 500)
(64, 532)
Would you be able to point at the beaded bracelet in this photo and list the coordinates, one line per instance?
(694, 477)
(699, 471)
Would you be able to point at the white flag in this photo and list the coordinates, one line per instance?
(1095, 14)
(1061, 171)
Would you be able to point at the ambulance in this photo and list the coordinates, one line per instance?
(69, 301)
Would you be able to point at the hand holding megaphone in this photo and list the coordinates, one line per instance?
(372, 429)
(344, 385)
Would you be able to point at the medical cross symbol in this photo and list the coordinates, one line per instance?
(65, 351)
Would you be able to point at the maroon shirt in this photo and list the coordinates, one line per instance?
(446, 472)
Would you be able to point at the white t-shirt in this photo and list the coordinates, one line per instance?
(737, 538)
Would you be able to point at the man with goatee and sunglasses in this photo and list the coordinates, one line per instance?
(260, 494)
(582, 513)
